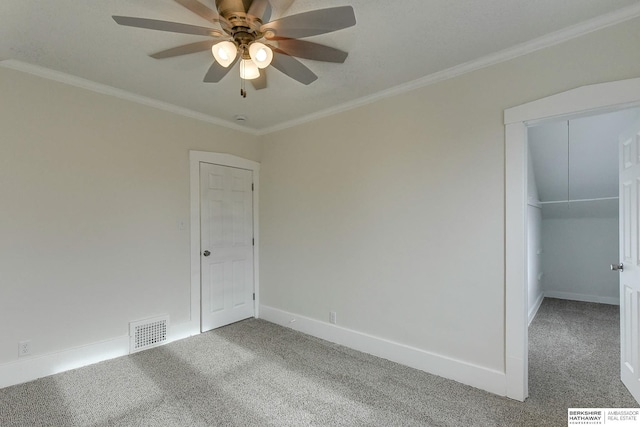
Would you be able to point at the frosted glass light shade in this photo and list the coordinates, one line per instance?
(260, 54)
(249, 70)
(225, 53)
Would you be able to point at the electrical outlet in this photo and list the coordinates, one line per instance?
(332, 317)
(24, 348)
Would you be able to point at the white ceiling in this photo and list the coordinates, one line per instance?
(393, 43)
(578, 160)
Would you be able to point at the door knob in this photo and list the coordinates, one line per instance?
(207, 253)
(617, 267)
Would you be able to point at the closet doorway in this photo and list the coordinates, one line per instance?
(575, 103)
(573, 228)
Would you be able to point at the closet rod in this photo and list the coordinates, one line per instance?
(579, 200)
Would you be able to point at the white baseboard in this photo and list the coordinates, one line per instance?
(582, 297)
(457, 370)
(31, 368)
(534, 310)
(183, 330)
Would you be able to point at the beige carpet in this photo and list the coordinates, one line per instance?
(255, 373)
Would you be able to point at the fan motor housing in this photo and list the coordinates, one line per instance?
(244, 28)
(235, 10)
(230, 6)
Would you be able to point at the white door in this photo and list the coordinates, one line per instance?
(630, 255)
(226, 245)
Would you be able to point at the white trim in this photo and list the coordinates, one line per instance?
(580, 101)
(103, 89)
(181, 331)
(543, 42)
(467, 373)
(195, 158)
(585, 100)
(582, 297)
(31, 368)
(516, 253)
(534, 310)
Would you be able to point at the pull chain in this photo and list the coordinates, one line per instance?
(568, 164)
(243, 87)
(243, 92)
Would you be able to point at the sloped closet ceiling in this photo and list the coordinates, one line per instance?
(579, 161)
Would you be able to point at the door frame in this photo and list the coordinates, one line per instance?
(195, 158)
(592, 99)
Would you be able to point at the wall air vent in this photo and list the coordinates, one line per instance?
(148, 333)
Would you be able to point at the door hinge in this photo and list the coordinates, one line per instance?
(253, 242)
(254, 296)
(252, 186)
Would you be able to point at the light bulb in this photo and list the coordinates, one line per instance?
(261, 54)
(225, 53)
(249, 70)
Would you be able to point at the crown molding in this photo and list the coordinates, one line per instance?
(543, 42)
(103, 89)
(552, 39)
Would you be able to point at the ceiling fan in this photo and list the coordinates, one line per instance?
(247, 35)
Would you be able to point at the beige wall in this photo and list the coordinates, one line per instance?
(92, 189)
(392, 214)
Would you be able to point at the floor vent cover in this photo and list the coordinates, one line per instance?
(148, 333)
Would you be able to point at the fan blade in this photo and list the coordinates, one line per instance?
(292, 67)
(260, 82)
(309, 50)
(174, 27)
(281, 6)
(217, 72)
(261, 9)
(199, 9)
(312, 23)
(184, 49)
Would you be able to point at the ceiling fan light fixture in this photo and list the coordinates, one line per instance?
(261, 54)
(225, 53)
(243, 25)
(249, 70)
